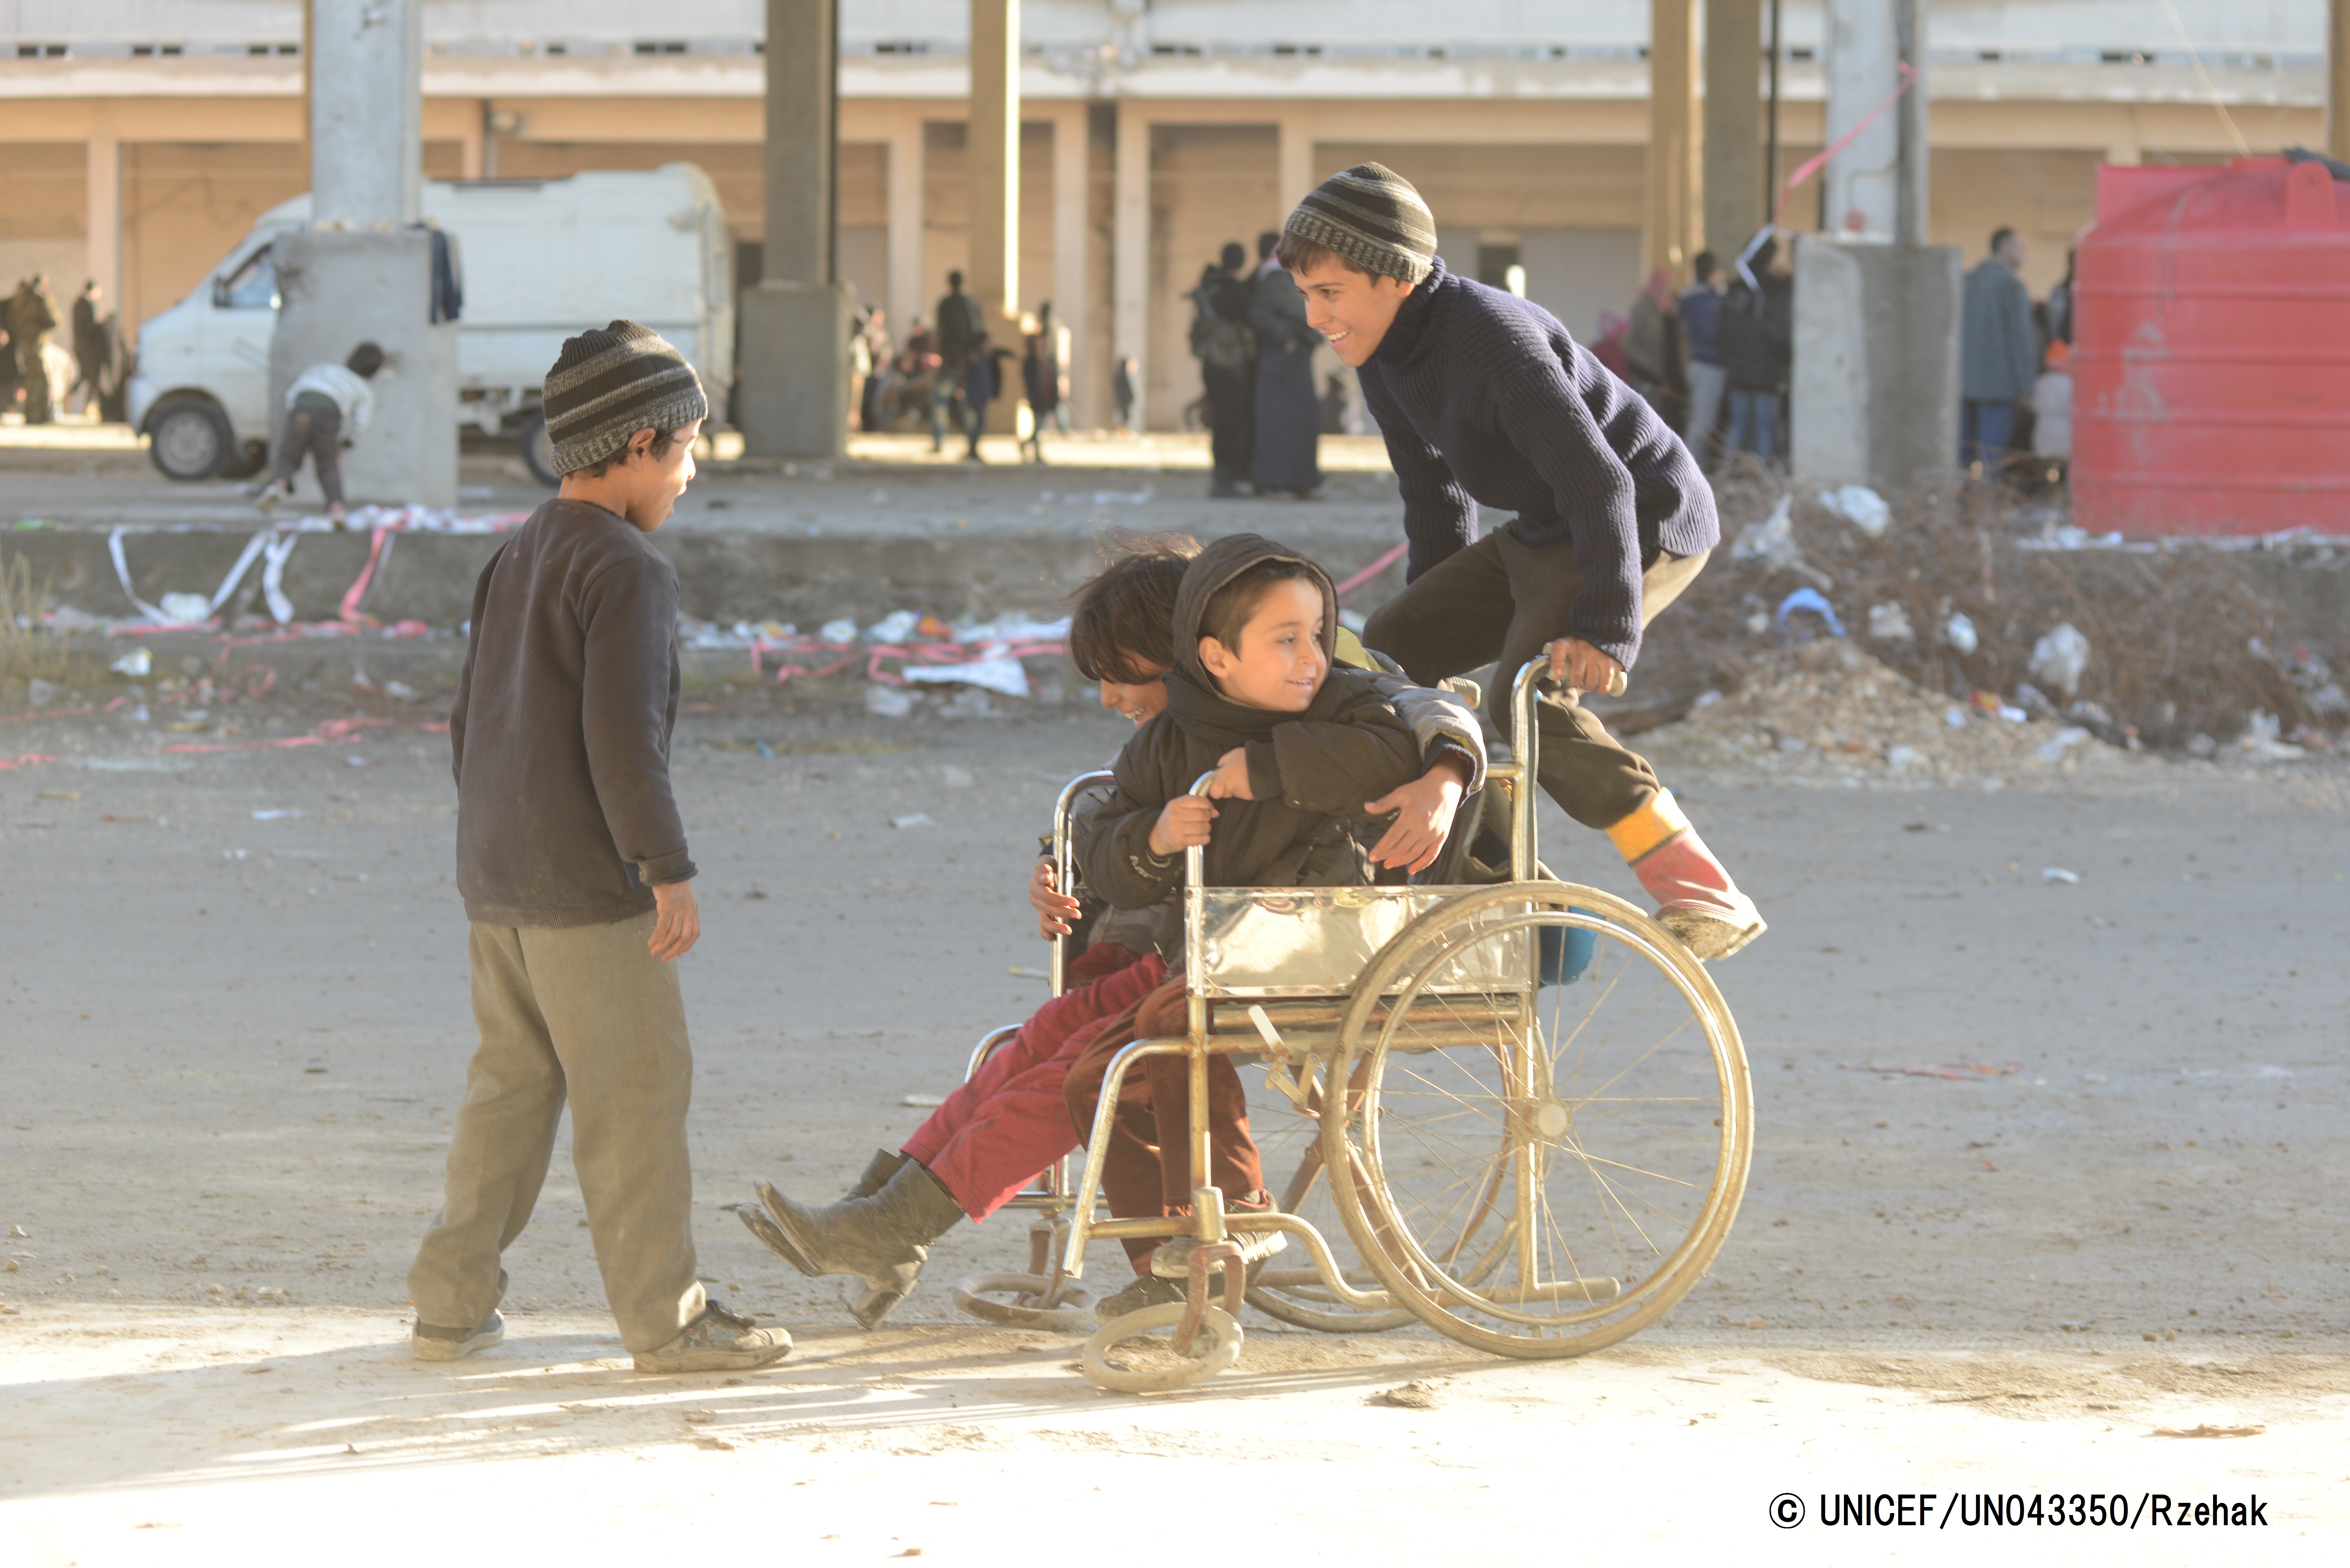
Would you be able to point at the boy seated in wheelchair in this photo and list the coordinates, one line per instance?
(1010, 1121)
(1305, 754)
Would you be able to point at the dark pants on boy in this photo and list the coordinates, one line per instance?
(314, 427)
(1501, 599)
(1147, 1169)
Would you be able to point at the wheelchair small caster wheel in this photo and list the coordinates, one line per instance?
(1216, 1347)
(978, 1296)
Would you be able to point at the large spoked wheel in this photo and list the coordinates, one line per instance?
(1615, 1094)
(1285, 1118)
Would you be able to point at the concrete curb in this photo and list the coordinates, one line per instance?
(724, 576)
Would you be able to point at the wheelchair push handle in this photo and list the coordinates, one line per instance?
(1195, 858)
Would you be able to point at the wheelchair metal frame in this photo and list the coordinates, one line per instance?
(1296, 1028)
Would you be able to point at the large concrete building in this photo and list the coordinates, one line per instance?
(139, 138)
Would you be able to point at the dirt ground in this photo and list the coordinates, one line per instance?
(233, 1009)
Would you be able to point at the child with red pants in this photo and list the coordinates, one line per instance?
(1010, 1121)
(1294, 746)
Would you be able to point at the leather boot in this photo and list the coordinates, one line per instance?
(1696, 899)
(883, 1239)
(877, 1172)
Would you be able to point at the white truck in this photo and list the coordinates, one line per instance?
(540, 261)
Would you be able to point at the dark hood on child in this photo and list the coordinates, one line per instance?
(1203, 711)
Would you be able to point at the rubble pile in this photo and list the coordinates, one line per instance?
(2181, 644)
(1827, 710)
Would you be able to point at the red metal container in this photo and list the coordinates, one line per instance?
(2211, 351)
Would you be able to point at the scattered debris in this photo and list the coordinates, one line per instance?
(1890, 623)
(1810, 599)
(889, 702)
(2207, 1430)
(1829, 709)
(2058, 873)
(916, 819)
(1419, 1393)
(2061, 659)
(1860, 506)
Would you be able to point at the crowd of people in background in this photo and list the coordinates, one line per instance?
(39, 376)
(949, 373)
(1713, 359)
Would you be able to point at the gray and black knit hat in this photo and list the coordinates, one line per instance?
(1370, 215)
(607, 386)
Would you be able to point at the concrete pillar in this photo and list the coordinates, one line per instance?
(802, 168)
(1131, 260)
(1862, 182)
(341, 288)
(1913, 218)
(473, 149)
(1876, 382)
(994, 170)
(363, 272)
(1733, 123)
(1675, 230)
(1298, 175)
(367, 111)
(792, 375)
(102, 190)
(1071, 221)
(1877, 311)
(907, 178)
(2337, 79)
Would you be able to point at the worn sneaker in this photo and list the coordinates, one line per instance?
(432, 1344)
(717, 1341)
(1145, 1291)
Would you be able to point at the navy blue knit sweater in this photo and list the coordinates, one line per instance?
(1485, 400)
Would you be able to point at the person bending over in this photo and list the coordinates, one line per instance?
(327, 406)
(1484, 399)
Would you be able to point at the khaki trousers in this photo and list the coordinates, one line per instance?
(583, 1013)
(1499, 599)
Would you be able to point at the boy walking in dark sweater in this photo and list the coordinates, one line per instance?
(1485, 400)
(573, 863)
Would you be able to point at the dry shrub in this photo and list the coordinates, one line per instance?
(28, 650)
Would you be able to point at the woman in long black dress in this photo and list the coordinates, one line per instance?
(1289, 414)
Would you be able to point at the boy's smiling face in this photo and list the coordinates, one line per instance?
(1352, 309)
(1141, 701)
(1279, 664)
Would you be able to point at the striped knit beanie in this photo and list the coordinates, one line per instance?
(1371, 217)
(607, 386)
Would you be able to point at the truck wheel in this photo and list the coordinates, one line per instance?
(189, 440)
(538, 451)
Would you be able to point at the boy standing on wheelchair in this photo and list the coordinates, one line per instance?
(1484, 398)
(1300, 752)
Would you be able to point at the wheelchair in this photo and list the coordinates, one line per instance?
(1518, 1112)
